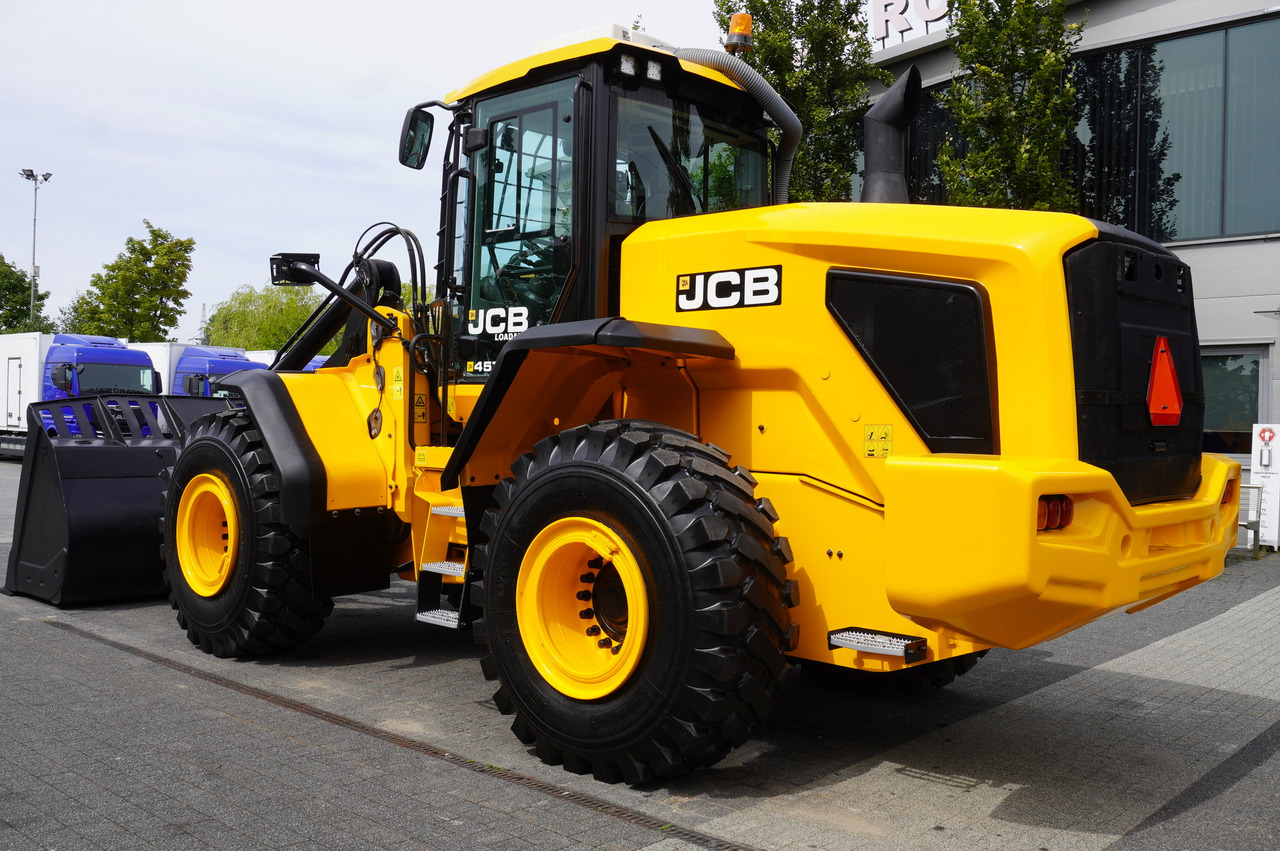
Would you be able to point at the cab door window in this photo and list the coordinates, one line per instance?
(523, 216)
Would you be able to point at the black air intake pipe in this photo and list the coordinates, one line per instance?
(756, 86)
(884, 131)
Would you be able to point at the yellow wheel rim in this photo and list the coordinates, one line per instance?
(582, 607)
(208, 533)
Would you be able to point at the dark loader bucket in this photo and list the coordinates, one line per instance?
(87, 527)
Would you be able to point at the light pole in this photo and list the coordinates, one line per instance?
(36, 180)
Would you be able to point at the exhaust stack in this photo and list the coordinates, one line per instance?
(884, 130)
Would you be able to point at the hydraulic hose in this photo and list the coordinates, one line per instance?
(756, 86)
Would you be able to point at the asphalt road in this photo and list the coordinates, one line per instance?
(1158, 730)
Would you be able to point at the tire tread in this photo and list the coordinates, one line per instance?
(736, 667)
(278, 611)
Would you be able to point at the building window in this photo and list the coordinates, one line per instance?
(1175, 139)
(1234, 397)
(1253, 125)
(1180, 138)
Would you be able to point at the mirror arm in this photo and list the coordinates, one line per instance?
(309, 271)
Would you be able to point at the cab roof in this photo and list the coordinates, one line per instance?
(577, 50)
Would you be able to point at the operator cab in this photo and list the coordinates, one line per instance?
(553, 161)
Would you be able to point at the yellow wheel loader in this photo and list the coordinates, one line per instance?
(657, 435)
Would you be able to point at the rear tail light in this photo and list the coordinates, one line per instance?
(1055, 512)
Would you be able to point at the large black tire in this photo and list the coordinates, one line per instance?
(253, 595)
(633, 602)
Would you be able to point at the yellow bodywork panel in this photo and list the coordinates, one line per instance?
(799, 397)
(518, 69)
(993, 576)
(334, 406)
(365, 466)
(568, 386)
(888, 536)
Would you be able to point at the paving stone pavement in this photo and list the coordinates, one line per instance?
(1154, 731)
(103, 749)
(1080, 763)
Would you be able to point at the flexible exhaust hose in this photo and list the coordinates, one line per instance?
(756, 86)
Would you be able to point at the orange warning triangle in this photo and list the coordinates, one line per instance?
(1164, 396)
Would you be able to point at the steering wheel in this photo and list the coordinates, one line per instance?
(527, 278)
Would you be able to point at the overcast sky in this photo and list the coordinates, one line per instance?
(253, 127)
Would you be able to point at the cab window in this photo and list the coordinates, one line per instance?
(675, 157)
(523, 216)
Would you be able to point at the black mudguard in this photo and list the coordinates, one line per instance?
(350, 550)
(615, 335)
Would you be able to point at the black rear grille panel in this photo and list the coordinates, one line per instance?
(927, 342)
(1124, 293)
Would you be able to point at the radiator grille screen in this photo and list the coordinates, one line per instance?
(927, 342)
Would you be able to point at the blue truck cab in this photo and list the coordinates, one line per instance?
(199, 367)
(86, 365)
(189, 369)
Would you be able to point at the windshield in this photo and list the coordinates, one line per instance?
(115, 378)
(674, 157)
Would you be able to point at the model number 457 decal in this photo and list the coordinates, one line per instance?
(729, 288)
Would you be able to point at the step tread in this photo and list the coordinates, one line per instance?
(441, 617)
(877, 642)
(444, 568)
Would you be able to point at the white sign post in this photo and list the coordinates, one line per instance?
(1265, 471)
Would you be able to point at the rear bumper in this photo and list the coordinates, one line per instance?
(988, 572)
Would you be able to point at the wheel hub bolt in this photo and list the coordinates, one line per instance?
(584, 595)
(586, 614)
(588, 578)
(617, 648)
(605, 642)
(593, 630)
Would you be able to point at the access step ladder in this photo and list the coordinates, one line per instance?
(431, 574)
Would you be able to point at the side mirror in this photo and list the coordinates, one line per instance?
(284, 275)
(61, 375)
(415, 137)
(156, 382)
(193, 385)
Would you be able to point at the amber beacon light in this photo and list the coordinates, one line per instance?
(739, 38)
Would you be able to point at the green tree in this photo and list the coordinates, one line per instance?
(262, 319)
(15, 302)
(140, 294)
(816, 54)
(81, 316)
(1013, 105)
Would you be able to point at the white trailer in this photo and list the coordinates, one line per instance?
(24, 358)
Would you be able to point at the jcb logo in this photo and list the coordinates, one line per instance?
(730, 288)
(502, 322)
